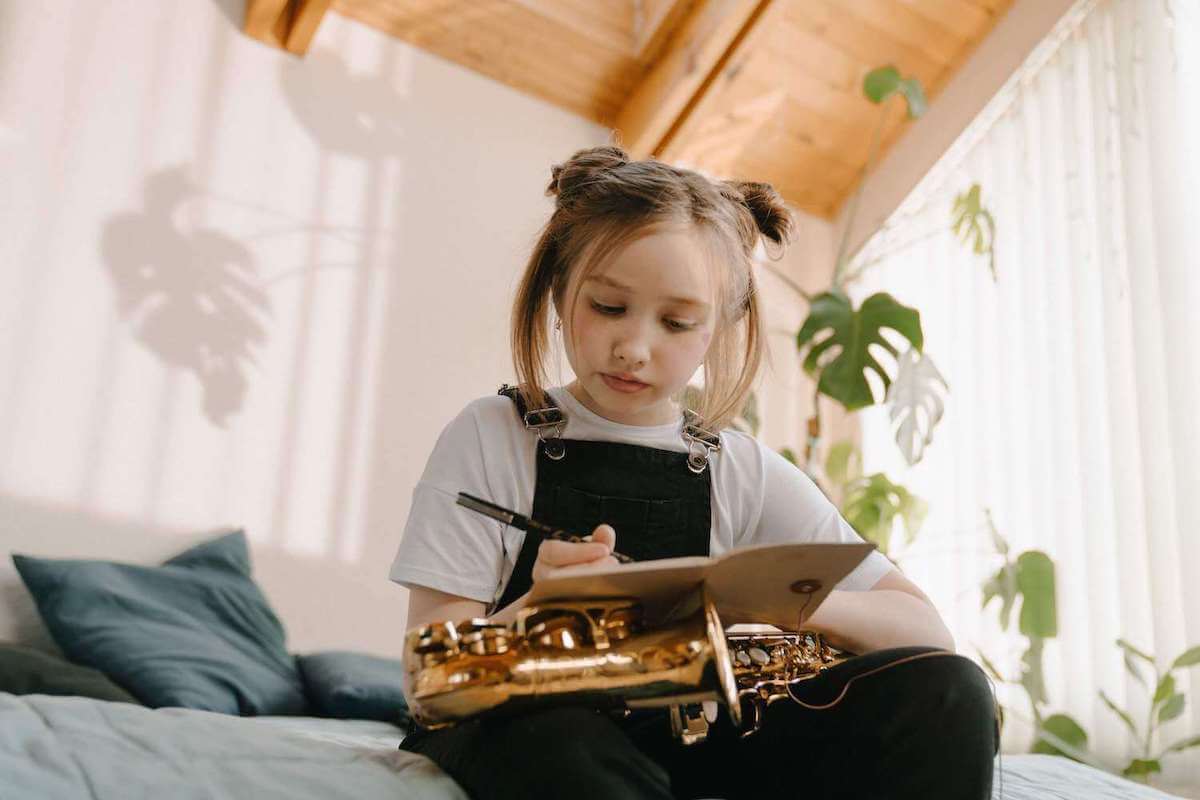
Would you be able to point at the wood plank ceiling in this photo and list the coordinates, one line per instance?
(761, 89)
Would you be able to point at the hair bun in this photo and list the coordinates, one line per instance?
(577, 171)
(770, 212)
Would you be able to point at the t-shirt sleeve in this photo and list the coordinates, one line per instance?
(794, 509)
(445, 546)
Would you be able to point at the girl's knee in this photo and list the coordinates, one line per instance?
(959, 699)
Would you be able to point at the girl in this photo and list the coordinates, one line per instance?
(647, 269)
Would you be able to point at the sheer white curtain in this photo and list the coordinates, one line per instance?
(1074, 405)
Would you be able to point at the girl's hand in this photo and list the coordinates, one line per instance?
(553, 554)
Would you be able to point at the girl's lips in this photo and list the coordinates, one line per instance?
(619, 385)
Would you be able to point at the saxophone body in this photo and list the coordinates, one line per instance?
(597, 652)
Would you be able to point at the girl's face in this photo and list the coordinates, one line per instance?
(641, 327)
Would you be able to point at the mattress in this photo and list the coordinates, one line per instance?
(66, 748)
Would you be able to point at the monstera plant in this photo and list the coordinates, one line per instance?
(839, 340)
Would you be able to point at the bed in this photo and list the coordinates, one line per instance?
(176, 681)
(64, 748)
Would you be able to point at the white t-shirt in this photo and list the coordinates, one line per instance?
(758, 497)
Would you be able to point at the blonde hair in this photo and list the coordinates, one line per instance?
(605, 201)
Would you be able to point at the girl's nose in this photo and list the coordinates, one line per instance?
(632, 349)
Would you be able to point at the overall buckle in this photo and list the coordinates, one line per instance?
(701, 441)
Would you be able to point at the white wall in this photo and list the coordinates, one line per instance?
(243, 289)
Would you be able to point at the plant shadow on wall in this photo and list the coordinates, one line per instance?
(357, 114)
(191, 296)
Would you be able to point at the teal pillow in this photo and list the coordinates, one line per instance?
(195, 632)
(349, 685)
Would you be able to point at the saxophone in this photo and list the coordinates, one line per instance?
(598, 652)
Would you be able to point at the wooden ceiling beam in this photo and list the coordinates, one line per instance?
(679, 80)
(653, 22)
(287, 24)
(610, 25)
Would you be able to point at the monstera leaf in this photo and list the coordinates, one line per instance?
(975, 225)
(914, 403)
(872, 503)
(843, 374)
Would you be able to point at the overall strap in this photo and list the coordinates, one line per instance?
(547, 422)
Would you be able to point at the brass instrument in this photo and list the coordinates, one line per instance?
(599, 653)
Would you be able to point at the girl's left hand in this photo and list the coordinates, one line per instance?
(555, 555)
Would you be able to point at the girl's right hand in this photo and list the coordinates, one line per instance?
(554, 554)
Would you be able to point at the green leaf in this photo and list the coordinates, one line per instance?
(843, 463)
(1140, 768)
(1031, 672)
(1165, 689)
(1189, 658)
(1066, 738)
(975, 225)
(871, 505)
(880, 84)
(915, 404)
(1134, 670)
(1128, 648)
(915, 95)
(843, 374)
(790, 455)
(1003, 585)
(1172, 708)
(1184, 744)
(1120, 712)
(1035, 581)
(913, 511)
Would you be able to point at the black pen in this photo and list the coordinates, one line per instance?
(525, 523)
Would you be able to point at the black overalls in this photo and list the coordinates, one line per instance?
(660, 504)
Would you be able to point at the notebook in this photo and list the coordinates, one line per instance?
(780, 584)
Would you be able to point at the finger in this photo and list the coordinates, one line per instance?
(606, 535)
(542, 570)
(607, 562)
(559, 554)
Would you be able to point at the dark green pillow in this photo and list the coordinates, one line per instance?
(195, 632)
(349, 685)
(24, 670)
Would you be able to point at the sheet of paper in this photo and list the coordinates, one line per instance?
(749, 584)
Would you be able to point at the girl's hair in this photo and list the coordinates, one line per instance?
(605, 201)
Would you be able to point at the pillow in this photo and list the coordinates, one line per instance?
(24, 670)
(354, 686)
(195, 632)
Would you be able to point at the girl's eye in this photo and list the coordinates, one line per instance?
(603, 309)
(612, 311)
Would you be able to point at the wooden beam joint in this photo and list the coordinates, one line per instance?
(287, 24)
